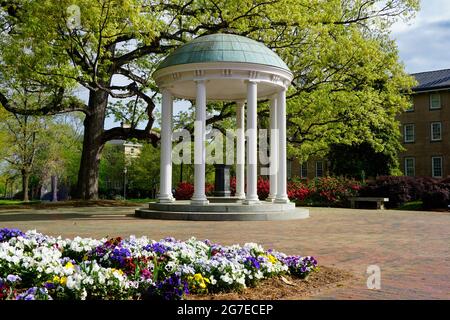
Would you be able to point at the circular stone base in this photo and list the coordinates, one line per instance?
(184, 210)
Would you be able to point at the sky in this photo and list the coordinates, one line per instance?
(424, 42)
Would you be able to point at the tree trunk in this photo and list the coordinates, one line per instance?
(92, 146)
(25, 184)
(54, 188)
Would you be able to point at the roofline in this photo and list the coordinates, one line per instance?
(425, 90)
(157, 72)
(422, 72)
(216, 65)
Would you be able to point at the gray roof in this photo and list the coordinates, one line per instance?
(432, 80)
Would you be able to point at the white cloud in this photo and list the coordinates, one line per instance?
(424, 43)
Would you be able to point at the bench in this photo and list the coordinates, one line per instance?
(380, 201)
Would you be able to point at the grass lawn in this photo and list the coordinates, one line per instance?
(412, 206)
(19, 202)
(146, 200)
(15, 202)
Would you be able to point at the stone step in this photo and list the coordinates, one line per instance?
(187, 206)
(224, 200)
(295, 214)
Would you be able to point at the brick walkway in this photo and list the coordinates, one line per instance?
(411, 248)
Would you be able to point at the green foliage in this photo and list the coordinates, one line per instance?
(360, 161)
(144, 170)
(112, 167)
(50, 32)
(356, 91)
(61, 155)
(131, 113)
(40, 147)
(2, 184)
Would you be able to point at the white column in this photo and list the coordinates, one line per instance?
(273, 149)
(240, 150)
(252, 144)
(165, 183)
(281, 196)
(199, 196)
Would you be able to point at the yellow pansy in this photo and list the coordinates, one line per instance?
(56, 279)
(117, 270)
(198, 277)
(198, 281)
(63, 281)
(271, 258)
(69, 265)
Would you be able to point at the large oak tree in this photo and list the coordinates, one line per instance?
(347, 77)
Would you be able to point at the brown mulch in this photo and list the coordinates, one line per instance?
(277, 289)
(71, 204)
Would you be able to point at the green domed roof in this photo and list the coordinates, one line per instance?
(223, 48)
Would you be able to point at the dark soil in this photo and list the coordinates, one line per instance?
(291, 289)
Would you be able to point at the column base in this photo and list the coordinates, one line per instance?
(270, 198)
(200, 202)
(251, 201)
(166, 199)
(282, 200)
(240, 196)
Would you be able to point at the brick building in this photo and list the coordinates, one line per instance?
(425, 132)
(426, 127)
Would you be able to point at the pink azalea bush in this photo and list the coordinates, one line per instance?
(185, 190)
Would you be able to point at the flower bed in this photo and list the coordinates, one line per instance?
(36, 266)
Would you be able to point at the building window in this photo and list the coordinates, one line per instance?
(436, 131)
(132, 150)
(289, 169)
(408, 133)
(435, 101)
(304, 170)
(436, 167)
(410, 167)
(319, 169)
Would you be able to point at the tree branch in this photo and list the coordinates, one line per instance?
(58, 105)
(130, 133)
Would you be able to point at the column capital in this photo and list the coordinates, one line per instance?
(165, 90)
(252, 81)
(240, 102)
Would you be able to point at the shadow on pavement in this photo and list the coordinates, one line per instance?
(8, 217)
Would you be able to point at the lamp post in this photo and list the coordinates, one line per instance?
(125, 182)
